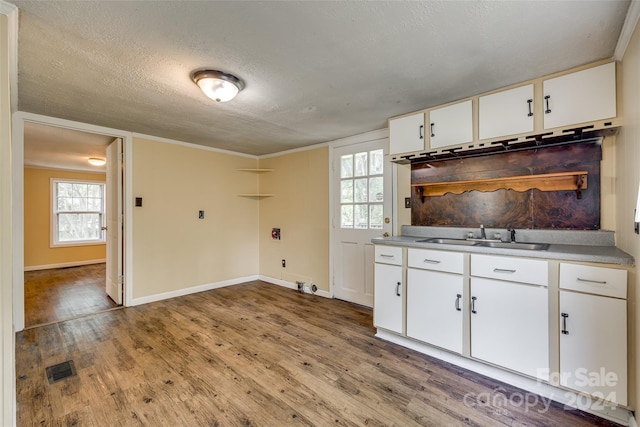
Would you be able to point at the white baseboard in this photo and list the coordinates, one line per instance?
(192, 290)
(546, 391)
(291, 285)
(64, 264)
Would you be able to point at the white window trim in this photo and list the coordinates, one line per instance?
(53, 243)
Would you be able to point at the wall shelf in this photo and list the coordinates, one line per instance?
(256, 195)
(255, 170)
(561, 181)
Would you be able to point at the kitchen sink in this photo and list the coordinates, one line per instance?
(516, 245)
(460, 242)
(503, 245)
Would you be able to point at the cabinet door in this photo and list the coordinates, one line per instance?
(451, 125)
(406, 134)
(387, 297)
(593, 345)
(434, 308)
(509, 326)
(509, 112)
(580, 97)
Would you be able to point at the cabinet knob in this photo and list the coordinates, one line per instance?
(564, 323)
(473, 305)
(529, 102)
(457, 303)
(398, 289)
(421, 135)
(432, 132)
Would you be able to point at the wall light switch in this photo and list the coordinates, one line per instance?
(138, 202)
(200, 214)
(407, 202)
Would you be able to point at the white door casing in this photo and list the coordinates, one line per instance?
(114, 216)
(362, 209)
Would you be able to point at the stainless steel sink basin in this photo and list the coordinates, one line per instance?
(460, 242)
(503, 245)
(516, 245)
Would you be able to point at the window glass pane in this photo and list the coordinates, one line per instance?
(376, 160)
(94, 190)
(65, 203)
(346, 191)
(361, 190)
(361, 164)
(346, 217)
(72, 226)
(79, 190)
(94, 205)
(346, 166)
(79, 204)
(376, 189)
(375, 216)
(65, 189)
(361, 216)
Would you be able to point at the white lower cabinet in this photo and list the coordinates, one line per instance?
(593, 332)
(388, 310)
(509, 319)
(434, 308)
(509, 326)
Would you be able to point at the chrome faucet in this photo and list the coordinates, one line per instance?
(483, 234)
(513, 234)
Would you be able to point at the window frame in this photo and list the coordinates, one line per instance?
(54, 242)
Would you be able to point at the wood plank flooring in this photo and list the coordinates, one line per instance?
(253, 355)
(64, 293)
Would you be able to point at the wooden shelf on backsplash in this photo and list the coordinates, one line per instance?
(561, 181)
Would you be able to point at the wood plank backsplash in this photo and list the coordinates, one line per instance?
(533, 209)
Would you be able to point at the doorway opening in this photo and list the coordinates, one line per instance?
(73, 223)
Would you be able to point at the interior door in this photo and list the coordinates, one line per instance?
(114, 215)
(362, 211)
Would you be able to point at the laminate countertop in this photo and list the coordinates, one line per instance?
(564, 245)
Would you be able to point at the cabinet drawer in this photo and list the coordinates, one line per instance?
(451, 262)
(389, 254)
(610, 282)
(533, 271)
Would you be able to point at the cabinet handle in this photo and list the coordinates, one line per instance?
(546, 103)
(432, 132)
(431, 261)
(386, 256)
(564, 323)
(457, 304)
(529, 102)
(600, 282)
(398, 289)
(502, 270)
(473, 305)
(421, 135)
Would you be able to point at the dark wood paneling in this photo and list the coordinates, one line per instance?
(508, 208)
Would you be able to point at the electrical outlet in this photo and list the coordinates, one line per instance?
(200, 214)
(284, 264)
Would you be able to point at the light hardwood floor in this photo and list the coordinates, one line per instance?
(253, 355)
(64, 293)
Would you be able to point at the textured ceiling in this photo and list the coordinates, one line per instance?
(314, 71)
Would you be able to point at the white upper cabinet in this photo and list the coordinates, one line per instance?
(451, 125)
(406, 134)
(579, 97)
(509, 112)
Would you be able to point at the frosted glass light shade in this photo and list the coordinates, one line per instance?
(95, 161)
(219, 86)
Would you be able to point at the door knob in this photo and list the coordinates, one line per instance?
(103, 228)
(387, 220)
(385, 234)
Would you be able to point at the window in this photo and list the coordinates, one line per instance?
(77, 212)
(361, 190)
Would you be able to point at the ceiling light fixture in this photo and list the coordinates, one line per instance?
(219, 86)
(95, 161)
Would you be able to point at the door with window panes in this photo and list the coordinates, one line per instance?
(362, 211)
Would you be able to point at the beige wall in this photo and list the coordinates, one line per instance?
(627, 178)
(7, 344)
(300, 208)
(172, 248)
(37, 221)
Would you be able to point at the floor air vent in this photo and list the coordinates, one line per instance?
(60, 371)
